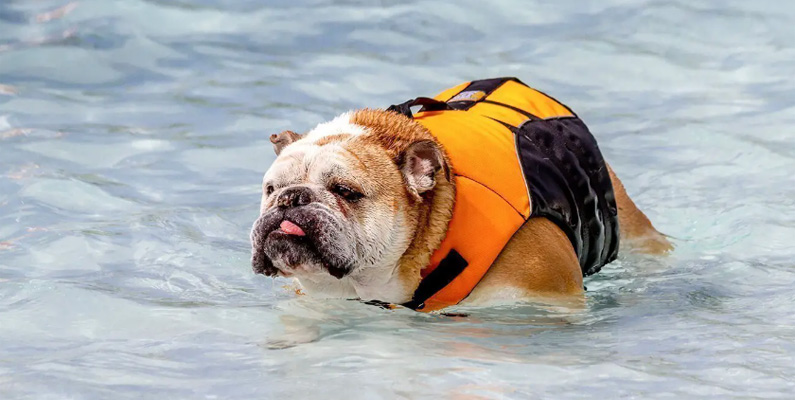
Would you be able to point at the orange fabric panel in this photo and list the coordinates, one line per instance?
(481, 226)
(449, 93)
(530, 100)
(482, 150)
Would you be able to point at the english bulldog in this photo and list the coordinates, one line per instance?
(365, 206)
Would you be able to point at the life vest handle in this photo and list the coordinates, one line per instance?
(427, 103)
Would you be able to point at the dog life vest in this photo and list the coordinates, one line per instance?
(516, 154)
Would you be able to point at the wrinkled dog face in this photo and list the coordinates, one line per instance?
(332, 204)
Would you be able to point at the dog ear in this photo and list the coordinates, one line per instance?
(283, 139)
(419, 164)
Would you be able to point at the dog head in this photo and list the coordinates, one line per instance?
(353, 199)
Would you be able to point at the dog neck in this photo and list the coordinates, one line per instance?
(433, 218)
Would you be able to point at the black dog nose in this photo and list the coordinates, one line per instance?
(294, 197)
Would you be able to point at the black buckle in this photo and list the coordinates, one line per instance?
(427, 103)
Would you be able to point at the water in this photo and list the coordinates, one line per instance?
(133, 136)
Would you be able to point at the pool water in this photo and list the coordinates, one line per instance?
(133, 137)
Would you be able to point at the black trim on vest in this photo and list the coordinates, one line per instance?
(569, 184)
(447, 270)
(487, 86)
(510, 107)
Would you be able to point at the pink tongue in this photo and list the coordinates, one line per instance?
(291, 228)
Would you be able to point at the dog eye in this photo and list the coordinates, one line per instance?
(346, 193)
(268, 190)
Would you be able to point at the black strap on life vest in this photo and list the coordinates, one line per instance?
(487, 86)
(427, 103)
(447, 270)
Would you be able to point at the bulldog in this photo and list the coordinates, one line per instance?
(491, 190)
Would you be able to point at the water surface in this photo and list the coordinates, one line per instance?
(133, 137)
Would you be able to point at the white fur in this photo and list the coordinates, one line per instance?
(381, 238)
(340, 125)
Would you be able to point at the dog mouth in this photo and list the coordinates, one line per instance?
(297, 243)
(290, 228)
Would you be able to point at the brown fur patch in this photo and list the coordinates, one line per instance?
(393, 131)
(637, 232)
(332, 138)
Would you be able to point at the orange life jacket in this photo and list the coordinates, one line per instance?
(516, 153)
